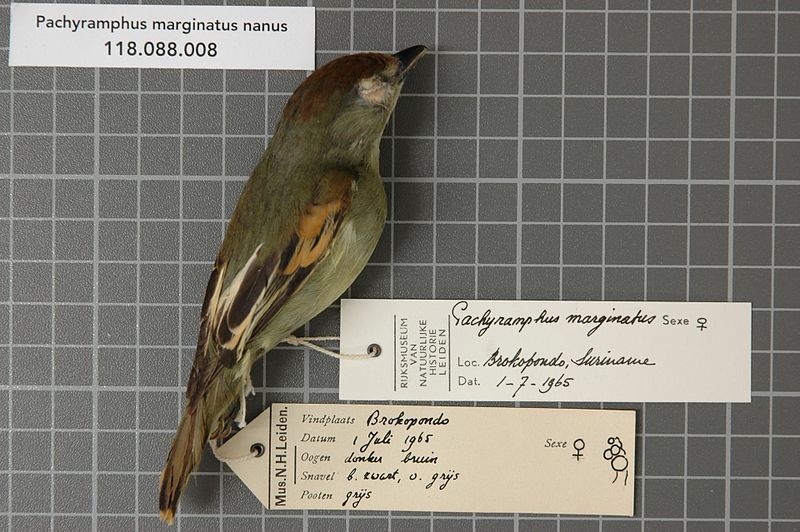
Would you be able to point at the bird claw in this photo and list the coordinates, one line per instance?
(242, 414)
(247, 390)
(248, 387)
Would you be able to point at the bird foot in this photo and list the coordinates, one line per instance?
(240, 417)
(242, 414)
(247, 390)
(248, 387)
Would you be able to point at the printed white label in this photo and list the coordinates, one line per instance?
(445, 459)
(173, 36)
(546, 351)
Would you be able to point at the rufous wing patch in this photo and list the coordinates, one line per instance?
(318, 225)
(235, 313)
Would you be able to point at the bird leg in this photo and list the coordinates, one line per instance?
(247, 389)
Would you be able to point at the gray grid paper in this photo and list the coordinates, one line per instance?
(553, 149)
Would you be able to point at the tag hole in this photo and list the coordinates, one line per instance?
(374, 350)
(258, 449)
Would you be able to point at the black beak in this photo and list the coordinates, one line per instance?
(409, 57)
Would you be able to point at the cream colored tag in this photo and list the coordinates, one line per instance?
(440, 350)
(445, 459)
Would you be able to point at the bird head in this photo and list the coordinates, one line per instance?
(346, 103)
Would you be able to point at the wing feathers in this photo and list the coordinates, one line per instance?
(200, 367)
(237, 303)
(320, 221)
(236, 313)
(253, 285)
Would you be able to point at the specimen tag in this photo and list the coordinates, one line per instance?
(447, 459)
(546, 351)
(162, 36)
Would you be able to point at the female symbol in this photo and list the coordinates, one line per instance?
(579, 445)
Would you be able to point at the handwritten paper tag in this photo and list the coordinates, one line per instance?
(449, 459)
(546, 351)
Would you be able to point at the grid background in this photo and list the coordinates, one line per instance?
(576, 149)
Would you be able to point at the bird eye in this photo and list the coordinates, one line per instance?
(373, 89)
(371, 83)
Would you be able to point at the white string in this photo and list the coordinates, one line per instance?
(232, 459)
(308, 342)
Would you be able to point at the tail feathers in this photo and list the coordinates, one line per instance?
(187, 448)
